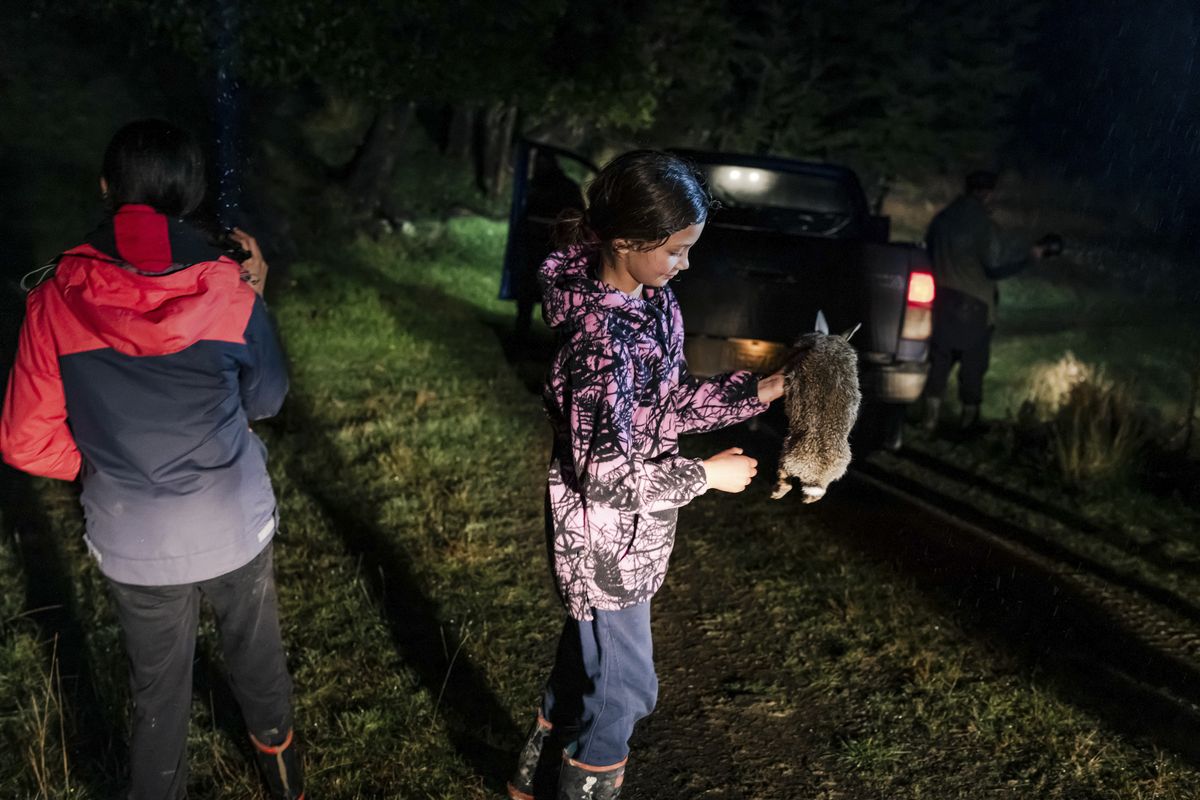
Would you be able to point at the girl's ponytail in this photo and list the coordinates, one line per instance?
(571, 229)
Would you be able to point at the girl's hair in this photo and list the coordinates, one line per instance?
(154, 163)
(643, 197)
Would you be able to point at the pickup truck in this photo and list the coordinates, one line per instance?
(790, 238)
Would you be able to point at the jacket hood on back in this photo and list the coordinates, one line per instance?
(151, 242)
(144, 284)
(572, 294)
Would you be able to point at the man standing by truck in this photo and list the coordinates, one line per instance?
(969, 256)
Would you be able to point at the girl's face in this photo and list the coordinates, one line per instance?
(632, 269)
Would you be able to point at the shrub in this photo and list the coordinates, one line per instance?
(1097, 432)
(1050, 384)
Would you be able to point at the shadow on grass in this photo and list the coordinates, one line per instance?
(480, 727)
(95, 744)
(528, 354)
(1090, 658)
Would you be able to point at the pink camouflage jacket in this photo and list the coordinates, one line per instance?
(618, 396)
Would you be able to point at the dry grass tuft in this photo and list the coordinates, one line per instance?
(1050, 384)
(1097, 432)
(46, 738)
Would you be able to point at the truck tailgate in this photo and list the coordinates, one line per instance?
(767, 286)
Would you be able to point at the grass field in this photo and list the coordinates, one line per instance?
(417, 606)
(409, 462)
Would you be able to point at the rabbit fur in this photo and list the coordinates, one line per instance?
(821, 398)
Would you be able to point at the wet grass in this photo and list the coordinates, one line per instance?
(1147, 341)
(417, 606)
(1116, 302)
(32, 709)
(1144, 344)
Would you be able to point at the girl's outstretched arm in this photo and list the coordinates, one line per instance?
(770, 388)
(718, 402)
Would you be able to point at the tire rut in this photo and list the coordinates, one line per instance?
(1108, 646)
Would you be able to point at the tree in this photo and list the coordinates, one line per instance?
(890, 87)
(895, 86)
(390, 56)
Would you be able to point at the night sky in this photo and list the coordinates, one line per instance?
(1117, 100)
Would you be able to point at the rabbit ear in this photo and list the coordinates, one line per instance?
(851, 332)
(822, 325)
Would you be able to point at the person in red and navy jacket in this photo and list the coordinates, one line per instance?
(140, 365)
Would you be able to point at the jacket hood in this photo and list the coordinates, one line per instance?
(151, 242)
(572, 294)
(131, 290)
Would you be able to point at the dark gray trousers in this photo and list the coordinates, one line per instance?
(159, 626)
(960, 333)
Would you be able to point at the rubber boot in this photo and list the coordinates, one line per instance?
(579, 781)
(970, 419)
(281, 768)
(933, 409)
(534, 777)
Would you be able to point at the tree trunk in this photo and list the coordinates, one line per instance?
(460, 133)
(487, 146)
(883, 187)
(370, 171)
(499, 123)
(508, 124)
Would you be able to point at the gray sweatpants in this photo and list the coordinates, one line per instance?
(159, 626)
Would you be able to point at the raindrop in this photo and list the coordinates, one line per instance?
(226, 113)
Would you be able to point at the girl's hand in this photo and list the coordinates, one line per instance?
(770, 388)
(729, 470)
(254, 268)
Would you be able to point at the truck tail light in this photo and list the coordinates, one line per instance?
(918, 311)
(920, 288)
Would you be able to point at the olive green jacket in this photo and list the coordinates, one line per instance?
(969, 254)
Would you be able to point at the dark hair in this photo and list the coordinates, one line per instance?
(154, 163)
(982, 180)
(643, 196)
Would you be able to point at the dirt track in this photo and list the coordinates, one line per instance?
(727, 725)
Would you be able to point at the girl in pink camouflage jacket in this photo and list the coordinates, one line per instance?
(618, 396)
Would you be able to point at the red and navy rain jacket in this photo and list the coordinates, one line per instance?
(139, 366)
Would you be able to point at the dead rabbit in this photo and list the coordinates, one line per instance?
(821, 398)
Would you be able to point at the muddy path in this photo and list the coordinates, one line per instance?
(729, 723)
